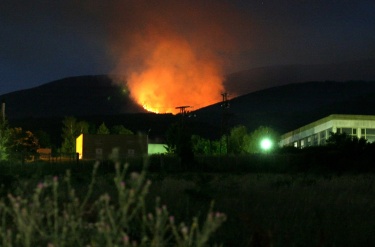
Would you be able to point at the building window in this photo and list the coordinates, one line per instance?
(309, 141)
(370, 135)
(347, 131)
(322, 140)
(315, 140)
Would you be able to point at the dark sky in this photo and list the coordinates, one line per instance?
(41, 41)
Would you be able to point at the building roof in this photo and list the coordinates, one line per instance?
(326, 119)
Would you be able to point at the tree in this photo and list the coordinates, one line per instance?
(103, 130)
(346, 143)
(253, 140)
(23, 143)
(70, 131)
(4, 140)
(236, 140)
(205, 146)
(172, 138)
(200, 145)
(82, 128)
(44, 138)
(223, 144)
(121, 130)
(178, 140)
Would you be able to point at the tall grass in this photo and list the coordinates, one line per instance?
(262, 208)
(279, 209)
(55, 213)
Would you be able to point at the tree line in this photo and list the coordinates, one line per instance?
(17, 144)
(239, 140)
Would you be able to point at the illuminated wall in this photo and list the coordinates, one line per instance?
(156, 148)
(79, 145)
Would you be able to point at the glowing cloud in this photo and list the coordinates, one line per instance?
(169, 51)
(174, 75)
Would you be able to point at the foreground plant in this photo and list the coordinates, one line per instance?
(54, 215)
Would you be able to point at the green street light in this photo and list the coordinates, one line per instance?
(266, 144)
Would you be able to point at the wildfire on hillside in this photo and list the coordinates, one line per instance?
(170, 52)
(175, 75)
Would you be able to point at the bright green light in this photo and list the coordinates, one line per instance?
(266, 144)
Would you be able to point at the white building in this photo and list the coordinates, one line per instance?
(316, 133)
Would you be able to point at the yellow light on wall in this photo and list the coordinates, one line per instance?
(79, 145)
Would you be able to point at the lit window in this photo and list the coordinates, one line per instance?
(315, 138)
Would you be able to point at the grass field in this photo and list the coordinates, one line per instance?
(279, 210)
(262, 209)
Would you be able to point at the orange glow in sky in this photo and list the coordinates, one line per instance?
(173, 75)
(170, 52)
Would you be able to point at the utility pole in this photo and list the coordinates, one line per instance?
(184, 148)
(224, 120)
(183, 112)
(183, 109)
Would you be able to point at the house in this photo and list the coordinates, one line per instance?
(103, 146)
(156, 148)
(316, 133)
(156, 145)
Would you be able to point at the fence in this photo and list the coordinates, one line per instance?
(43, 155)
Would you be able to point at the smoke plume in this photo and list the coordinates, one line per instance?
(171, 52)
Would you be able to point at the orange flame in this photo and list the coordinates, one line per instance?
(170, 52)
(174, 75)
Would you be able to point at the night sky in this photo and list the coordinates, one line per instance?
(43, 41)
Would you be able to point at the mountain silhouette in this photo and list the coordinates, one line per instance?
(100, 95)
(287, 107)
(98, 99)
(73, 96)
(256, 79)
